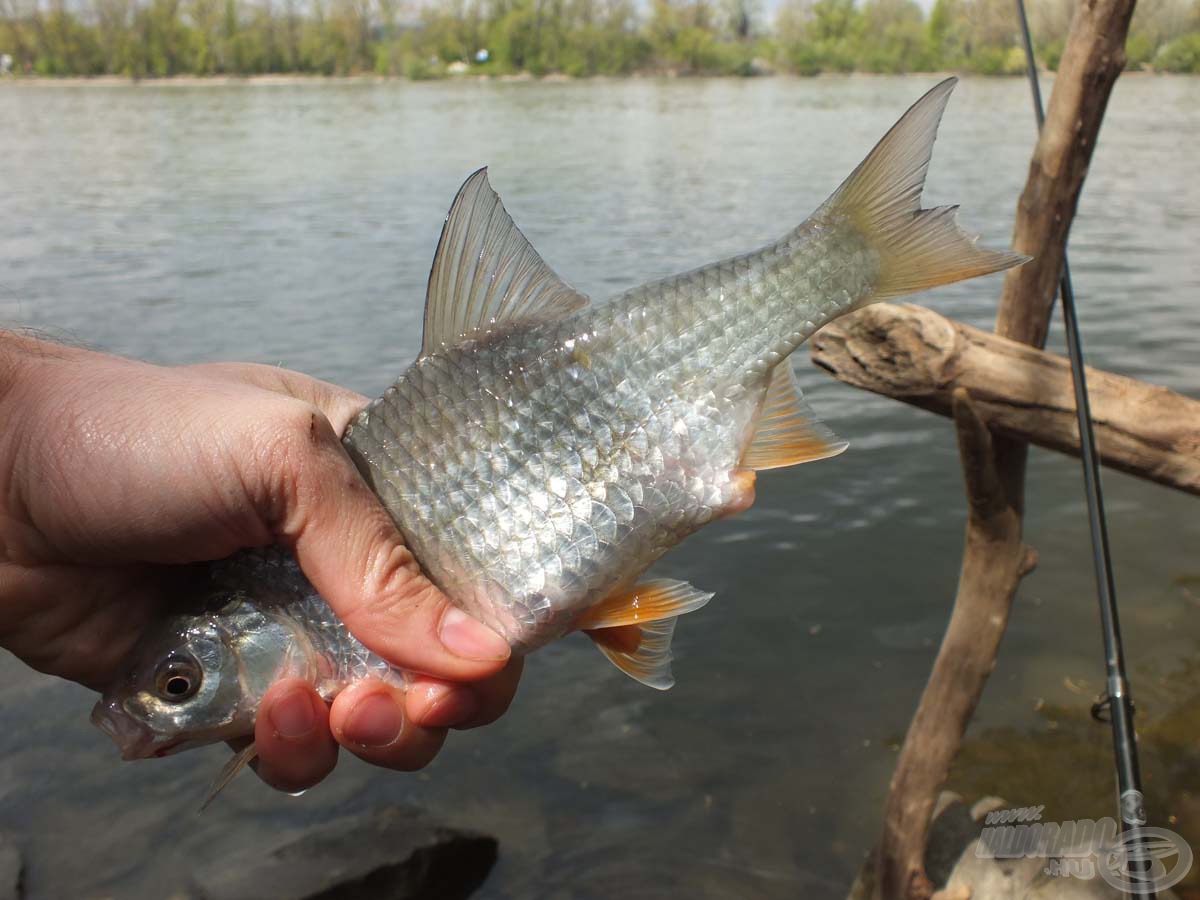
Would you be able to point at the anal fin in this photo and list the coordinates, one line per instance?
(788, 432)
(634, 628)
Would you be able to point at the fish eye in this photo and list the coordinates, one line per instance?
(177, 679)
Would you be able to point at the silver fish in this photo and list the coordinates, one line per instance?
(542, 452)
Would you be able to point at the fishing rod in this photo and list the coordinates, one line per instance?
(1117, 701)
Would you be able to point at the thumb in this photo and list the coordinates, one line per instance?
(349, 548)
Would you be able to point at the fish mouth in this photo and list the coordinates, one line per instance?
(133, 739)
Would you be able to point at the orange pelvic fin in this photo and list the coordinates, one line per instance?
(633, 628)
(788, 432)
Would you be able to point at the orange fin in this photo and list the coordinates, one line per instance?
(650, 601)
(788, 433)
(621, 638)
(634, 628)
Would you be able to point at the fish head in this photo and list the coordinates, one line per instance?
(196, 679)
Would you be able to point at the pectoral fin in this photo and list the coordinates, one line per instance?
(788, 432)
(634, 628)
(229, 771)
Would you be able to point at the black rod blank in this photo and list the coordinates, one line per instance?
(1119, 699)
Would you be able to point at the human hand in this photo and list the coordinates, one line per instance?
(114, 473)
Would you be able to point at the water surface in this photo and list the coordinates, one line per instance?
(295, 224)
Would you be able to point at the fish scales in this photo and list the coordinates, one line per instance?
(656, 390)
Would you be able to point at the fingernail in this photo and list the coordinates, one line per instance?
(463, 636)
(450, 706)
(375, 721)
(292, 716)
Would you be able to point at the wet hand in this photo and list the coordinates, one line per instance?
(119, 473)
(297, 736)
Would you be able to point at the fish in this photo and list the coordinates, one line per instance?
(543, 451)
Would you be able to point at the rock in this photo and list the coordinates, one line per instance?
(1023, 879)
(985, 805)
(952, 831)
(957, 873)
(1032, 879)
(391, 854)
(10, 869)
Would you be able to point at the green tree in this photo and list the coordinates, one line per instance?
(894, 37)
(151, 38)
(1181, 55)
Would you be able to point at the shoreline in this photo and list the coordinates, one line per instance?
(299, 78)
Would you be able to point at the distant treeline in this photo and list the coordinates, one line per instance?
(158, 38)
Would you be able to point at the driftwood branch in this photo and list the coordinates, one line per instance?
(915, 355)
(994, 561)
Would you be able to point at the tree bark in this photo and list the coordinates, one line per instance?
(994, 561)
(1092, 59)
(915, 355)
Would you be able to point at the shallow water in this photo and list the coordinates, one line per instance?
(294, 224)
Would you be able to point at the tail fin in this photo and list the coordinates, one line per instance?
(918, 248)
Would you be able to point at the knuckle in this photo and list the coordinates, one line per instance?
(393, 583)
(294, 428)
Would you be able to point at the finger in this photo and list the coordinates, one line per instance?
(368, 719)
(349, 548)
(496, 694)
(291, 734)
(337, 403)
(432, 703)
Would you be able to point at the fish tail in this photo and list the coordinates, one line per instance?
(917, 248)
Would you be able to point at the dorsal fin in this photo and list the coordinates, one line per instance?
(486, 273)
(788, 432)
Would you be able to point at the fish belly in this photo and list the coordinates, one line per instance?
(532, 477)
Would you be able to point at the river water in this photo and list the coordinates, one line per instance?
(295, 224)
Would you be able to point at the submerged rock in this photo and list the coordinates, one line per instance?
(392, 854)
